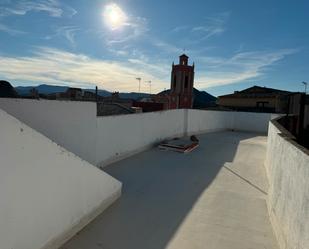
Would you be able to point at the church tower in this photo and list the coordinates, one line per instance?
(181, 93)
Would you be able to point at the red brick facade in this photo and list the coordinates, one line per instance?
(182, 79)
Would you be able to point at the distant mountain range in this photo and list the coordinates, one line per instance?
(48, 89)
(42, 89)
(202, 99)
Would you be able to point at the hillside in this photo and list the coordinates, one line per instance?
(202, 99)
(6, 90)
(48, 89)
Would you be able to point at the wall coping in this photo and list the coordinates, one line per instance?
(288, 136)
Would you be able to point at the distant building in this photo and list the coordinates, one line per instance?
(71, 93)
(115, 99)
(34, 93)
(256, 98)
(149, 106)
(74, 93)
(109, 109)
(182, 80)
(89, 96)
(181, 93)
(298, 120)
(164, 99)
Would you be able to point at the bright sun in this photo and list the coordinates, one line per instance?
(114, 16)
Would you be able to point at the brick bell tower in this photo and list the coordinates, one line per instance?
(181, 93)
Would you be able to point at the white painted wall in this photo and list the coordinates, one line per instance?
(71, 124)
(120, 136)
(252, 121)
(101, 140)
(205, 121)
(47, 193)
(287, 167)
(200, 121)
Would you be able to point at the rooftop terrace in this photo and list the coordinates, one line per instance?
(214, 197)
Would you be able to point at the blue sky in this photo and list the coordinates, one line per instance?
(234, 44)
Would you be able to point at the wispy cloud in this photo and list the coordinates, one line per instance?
(53, 7)
(180, 28)
(10, 31)
(214, 25)
(164, 46)
(157, 68)
(68, 32)
(54, 66)
(242, 66)
(208, 31)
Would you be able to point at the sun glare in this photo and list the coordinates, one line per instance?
(114, 16)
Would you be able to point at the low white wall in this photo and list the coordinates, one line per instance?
(100, 140)
(120, 136)
(287, 166)
(204, 121)
(71, 124)
(252, 121)
(200, 121)
(47, 193)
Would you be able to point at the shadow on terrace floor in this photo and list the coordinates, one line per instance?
(159, 190)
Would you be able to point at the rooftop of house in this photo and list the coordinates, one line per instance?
(214, 196)
(255, 91)
(217, 195)
(107, 109)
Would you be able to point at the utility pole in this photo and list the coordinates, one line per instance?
(149, 82)
(96, 94)
(305, 83)
(139, 84)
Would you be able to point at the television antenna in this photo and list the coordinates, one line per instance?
(149, 82)
(139, 84)
(305, 83)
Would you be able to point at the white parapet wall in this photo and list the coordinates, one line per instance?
(101, 140)
(47, 193)
(71, 124)
(287, 167)
(206, 121)
(252, 121)
(123, 135)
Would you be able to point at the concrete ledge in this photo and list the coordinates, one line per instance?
(67, 235)
(288, 136)
(48, 193)
(287, 167)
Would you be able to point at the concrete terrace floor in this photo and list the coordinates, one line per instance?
(212, 198)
